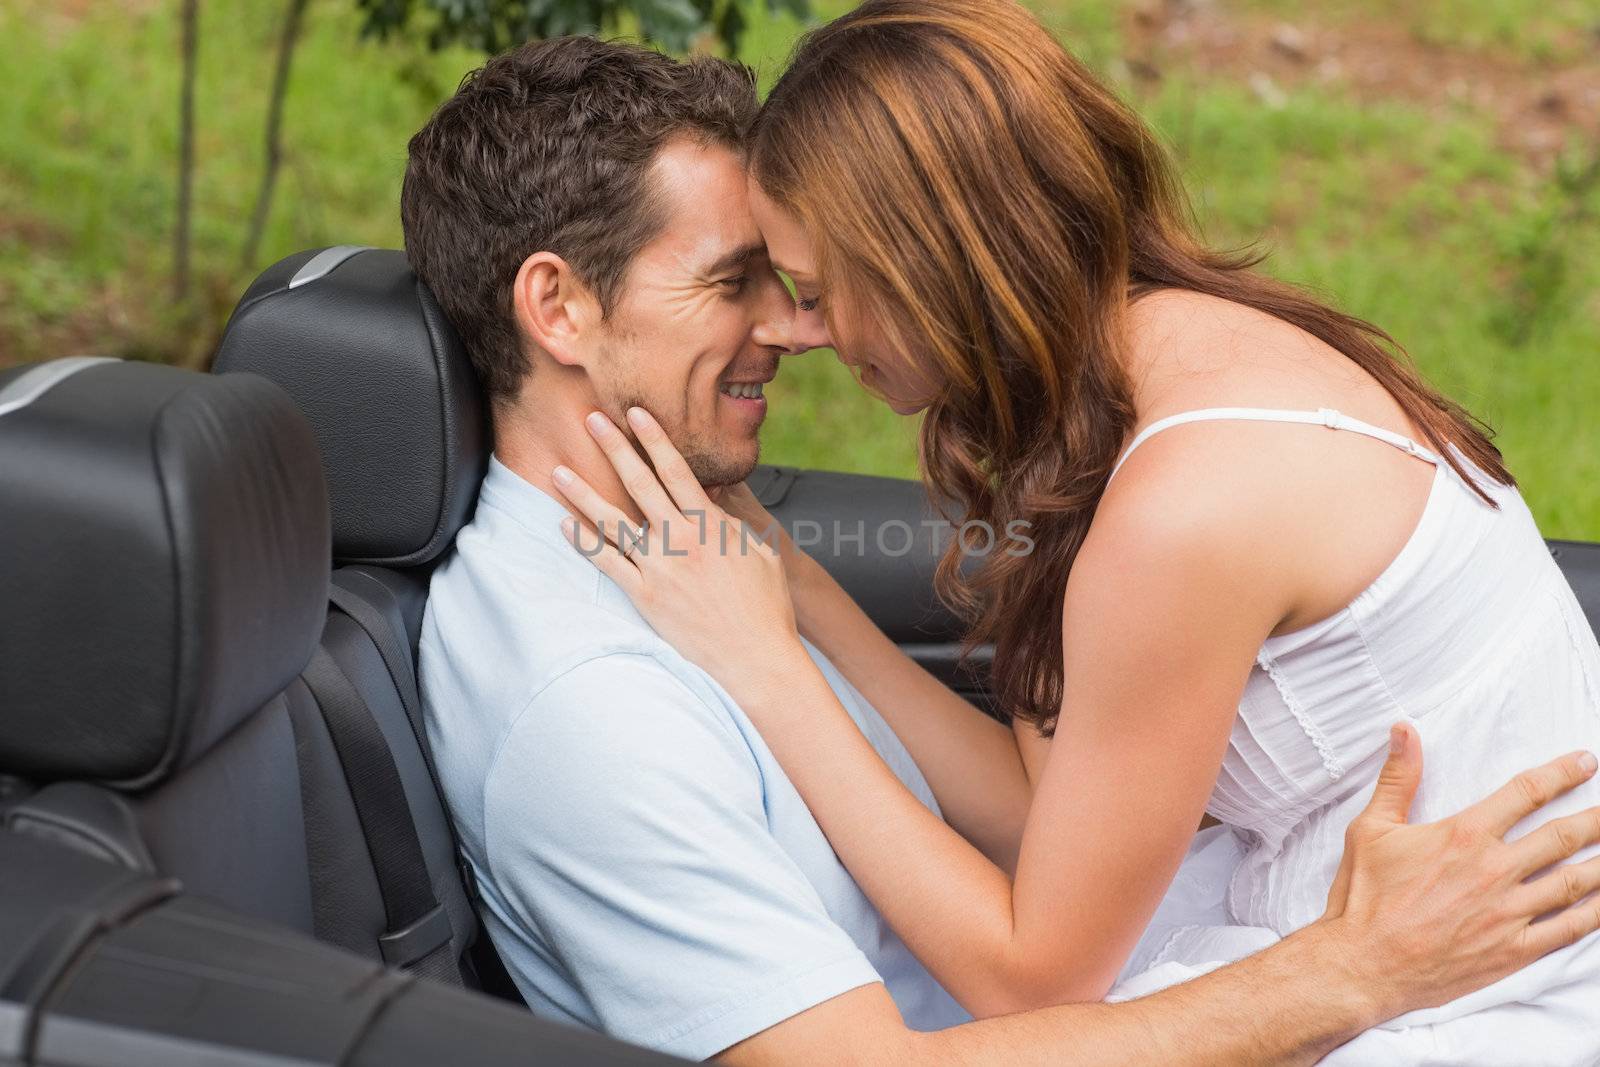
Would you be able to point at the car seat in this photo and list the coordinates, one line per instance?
(167, 657)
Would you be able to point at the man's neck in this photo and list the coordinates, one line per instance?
(560, 439)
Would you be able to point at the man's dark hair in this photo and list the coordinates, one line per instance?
(548, 147)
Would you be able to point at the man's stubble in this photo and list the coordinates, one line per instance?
(708, 460)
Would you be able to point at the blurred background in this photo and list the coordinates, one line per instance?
(1430, 165)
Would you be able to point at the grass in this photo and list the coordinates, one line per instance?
(1413, 215)
(90, 142)
(1428, 229)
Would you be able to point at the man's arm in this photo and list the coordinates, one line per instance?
(1418, 916)
(1285, 1005)
(1281, 1006)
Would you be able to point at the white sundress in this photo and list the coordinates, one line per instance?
(1473, 636)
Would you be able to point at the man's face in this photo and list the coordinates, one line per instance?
(701, 319)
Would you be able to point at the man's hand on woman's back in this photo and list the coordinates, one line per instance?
(1418, 915)
(1435, 910)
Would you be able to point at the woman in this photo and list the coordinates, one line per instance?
(1225, 605)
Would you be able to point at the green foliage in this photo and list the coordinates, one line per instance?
(1483, 269)
(1418, 219)
(1541, 249)
(494, 25)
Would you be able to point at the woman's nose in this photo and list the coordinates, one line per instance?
(784, 326)
(809, 330)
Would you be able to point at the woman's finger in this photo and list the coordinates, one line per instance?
(610, 520)
(602, 554)
(1556, 840)
(637, 478)
(674, 472)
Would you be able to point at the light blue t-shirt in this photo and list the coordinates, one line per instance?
(645, 865)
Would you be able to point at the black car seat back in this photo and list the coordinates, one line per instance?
(164, 572)
(359, 343)
(361, 346)
(165, 566)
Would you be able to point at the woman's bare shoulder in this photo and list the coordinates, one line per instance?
(1189, 349)
(1192, 351)
(1264, 484)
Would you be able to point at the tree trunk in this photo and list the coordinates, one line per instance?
(292, 18)
(180, 253)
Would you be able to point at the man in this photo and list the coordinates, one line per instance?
(579, 210)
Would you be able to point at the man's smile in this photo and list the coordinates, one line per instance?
(745, 391)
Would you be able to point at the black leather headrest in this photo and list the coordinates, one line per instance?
(163, 564)
(363, 348)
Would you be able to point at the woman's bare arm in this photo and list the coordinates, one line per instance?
(1165, 612)
(1033, 747)
(969, 760)
(1167, 606)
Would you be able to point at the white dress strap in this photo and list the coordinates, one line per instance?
(1333, 420)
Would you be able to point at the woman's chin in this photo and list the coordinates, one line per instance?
(873, 380)
(906, 407)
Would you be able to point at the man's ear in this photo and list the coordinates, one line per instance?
(553, 309)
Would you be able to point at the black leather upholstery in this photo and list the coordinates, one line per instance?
(85, 818)
(874, 536)
(362, 347)
(1580, 562)
(165, 557)
(402, 595)
(232, 826)
(367, 354)
(166, 568)
(108, 967)
(361, 662)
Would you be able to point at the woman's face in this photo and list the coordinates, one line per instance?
(904, 386)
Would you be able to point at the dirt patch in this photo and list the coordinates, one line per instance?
(1539, 109)
(29, 232)
(47, 311)
(77, 10)
(59, 18)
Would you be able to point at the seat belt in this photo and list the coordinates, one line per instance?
(397, 658)
(418, 931)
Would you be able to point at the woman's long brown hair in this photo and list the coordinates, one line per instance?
(994, 208)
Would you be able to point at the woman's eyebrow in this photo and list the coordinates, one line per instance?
(796, 275)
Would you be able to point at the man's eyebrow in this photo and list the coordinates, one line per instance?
(735, 259)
